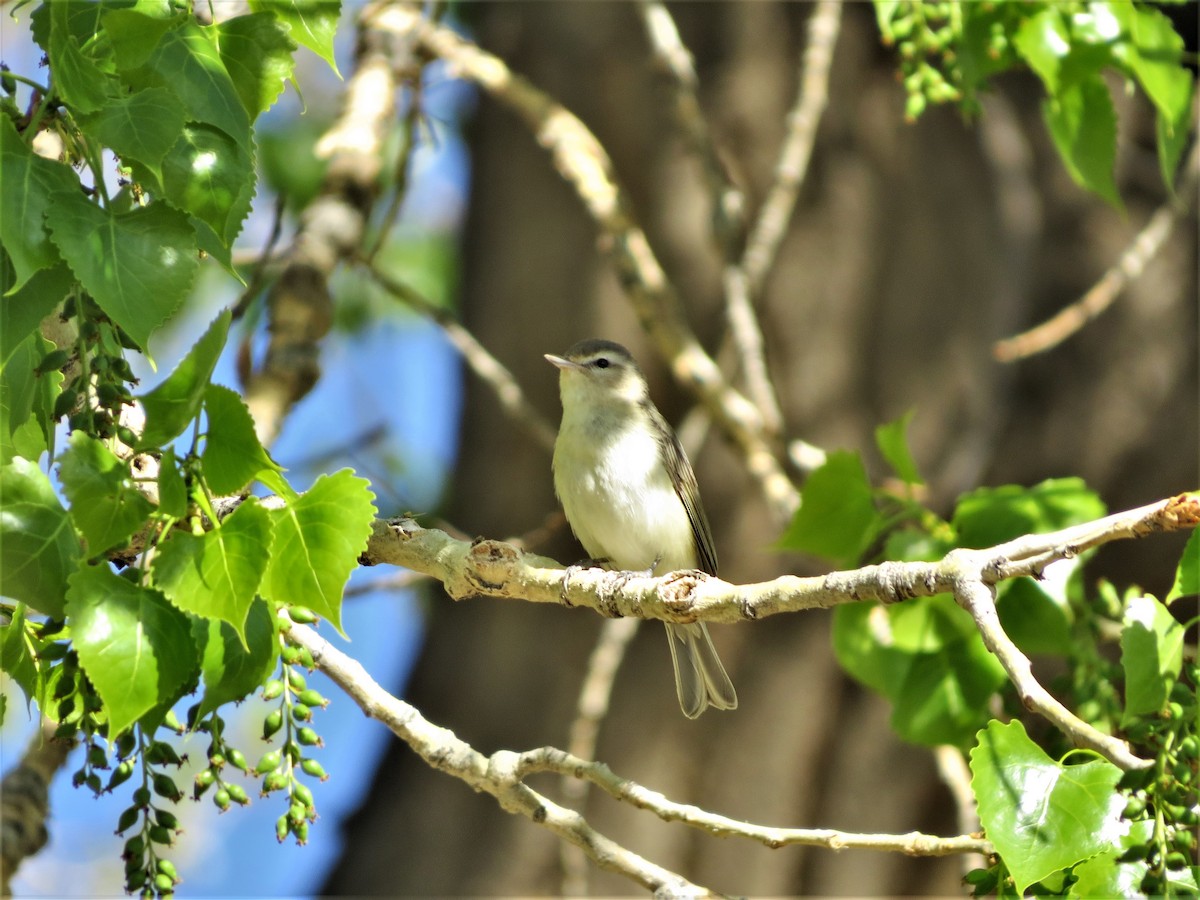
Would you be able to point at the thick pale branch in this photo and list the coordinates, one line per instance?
(496, 569)
(498, 775)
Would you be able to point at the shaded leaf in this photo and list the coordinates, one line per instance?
(1187, 573)
(1083, 123)
(318, 538)
(77, 78)
(1035, 621)
(140, 127)
(209, 175)
(16, 655)
(837, 518)
(990, 516)
(138, 265)
(134, 646)
(27, 185)
(892, 440)
(1042, 816)
(22, 312)
(172, 490)
(232, 670)
(106, 506)
(38, 547)
(176, 401)
(216, 575)
(186, 60)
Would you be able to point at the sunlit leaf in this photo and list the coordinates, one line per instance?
(1042, 816)
(138, 265)
(176, 401)
(135, 647)
(38, 547)
(318, 539)
(105, 504)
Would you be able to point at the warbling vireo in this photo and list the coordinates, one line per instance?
(631, 497)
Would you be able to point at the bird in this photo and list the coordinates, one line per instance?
(631, 497)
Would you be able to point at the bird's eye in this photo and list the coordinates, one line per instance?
(602, 363)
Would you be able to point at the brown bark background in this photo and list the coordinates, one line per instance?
(913, 248)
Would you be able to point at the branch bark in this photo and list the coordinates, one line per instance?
(496, 569)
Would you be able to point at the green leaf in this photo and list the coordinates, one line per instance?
(22, 312)
(1040, 815)
(16, 655)
(77, 78)
(257, 52)
(105, 504)
(232, 454)
(1104, 876)
(1153, 51)
(1151, 655)
(134, 646)
(206, 173)
(138, 266)
(1033, 618)
(186, 60)
(1083, 123)
(1187, 574)
(27, 184)
(134, 35)
(216, 576)
(990, 516)
(892, 440)
(172, 490)
(837, 518)
(927, 658)
(19, 388)
(140, 127)
(175, 402)
(1044, 42)
(38, 546)
(312, 22)
(318, 539)
(231, 670)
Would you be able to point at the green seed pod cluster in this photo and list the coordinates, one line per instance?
(1166, 793)
(147, 871)
(280, 767)
(100, 376)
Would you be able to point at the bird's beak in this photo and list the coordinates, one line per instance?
(561, 362)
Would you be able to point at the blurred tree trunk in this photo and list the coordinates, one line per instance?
(913, 248)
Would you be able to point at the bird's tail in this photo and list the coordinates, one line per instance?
(700, 679)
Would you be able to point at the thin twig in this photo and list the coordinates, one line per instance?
(489, 369)
(743, 282)
(583, 162)
(1100, 296)
(499, 775)
(772, 221)
(503, 774)
(331, 229)
(955, 774)
(594, 696)
(258, 275)
(675, 62)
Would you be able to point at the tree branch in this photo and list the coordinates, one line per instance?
(499, 775)
(300, 310)
(496, 569)
(583, 162)
(1100, 296)
(503, 775)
